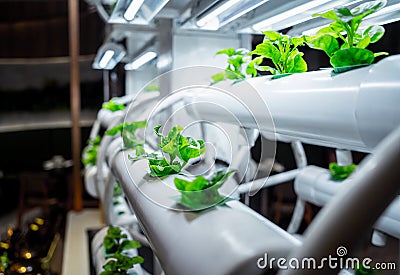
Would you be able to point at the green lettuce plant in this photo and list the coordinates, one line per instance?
(177, 149)
(343, 40)
(115, 244)
(127, 131)
(283, 51)
(120, 264)
(113, 106)
(202, 192)
(237, 58)
(89, 154)
(341, 172)
(115, 241)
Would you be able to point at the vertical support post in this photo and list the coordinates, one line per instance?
(106, 85)
(164, 63)
(75, 101)
(245, 41)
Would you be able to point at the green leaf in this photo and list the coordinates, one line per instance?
(363, 43)
(351, 57)
(299, 64)
(128, 244)
(297, 41)
(268, 50)
(367, 8)
(343, 14)
(218, 77)
(272, 35)
(252, 66)
(327, 15)
(202, 192)
(268, 69)
(190, 150)
(127, 131)
(341, 172)
(374, 32)
(112, 106)
(228, 51)
(89, 154)
(327, 43)
(380, 54)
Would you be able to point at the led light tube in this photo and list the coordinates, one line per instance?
(285, 15)
(209, 17)
(132, 9)
(140, 61)
(106, 58)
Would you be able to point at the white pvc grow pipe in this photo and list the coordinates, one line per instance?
(314, 107)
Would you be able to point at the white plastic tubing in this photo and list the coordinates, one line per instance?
(352, 110)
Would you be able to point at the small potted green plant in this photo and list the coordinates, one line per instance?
(344, 41)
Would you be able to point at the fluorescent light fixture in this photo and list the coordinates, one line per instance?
(242, 9)
(136, 12)
(132, 9)
(209, 17)
(140, 61)
(106, 58)
(265, 24)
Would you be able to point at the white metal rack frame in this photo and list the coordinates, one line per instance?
(356, 110)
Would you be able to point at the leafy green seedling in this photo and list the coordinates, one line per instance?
(120, 264)
(178, 149)
(346, 29)
(116, 242)
(341, 172)
(127, 131)
(202, 192)
(283, 51)
(112, 106)
(89, 154)
(236, 59)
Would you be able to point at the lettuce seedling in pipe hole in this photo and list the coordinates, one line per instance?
(339, 172)
(346, 30)
(283, 51)
(89, 154)
(177, 149)
(202, 192)
(113, 106)
(236, 59)
(127, 131)
(116, 244)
